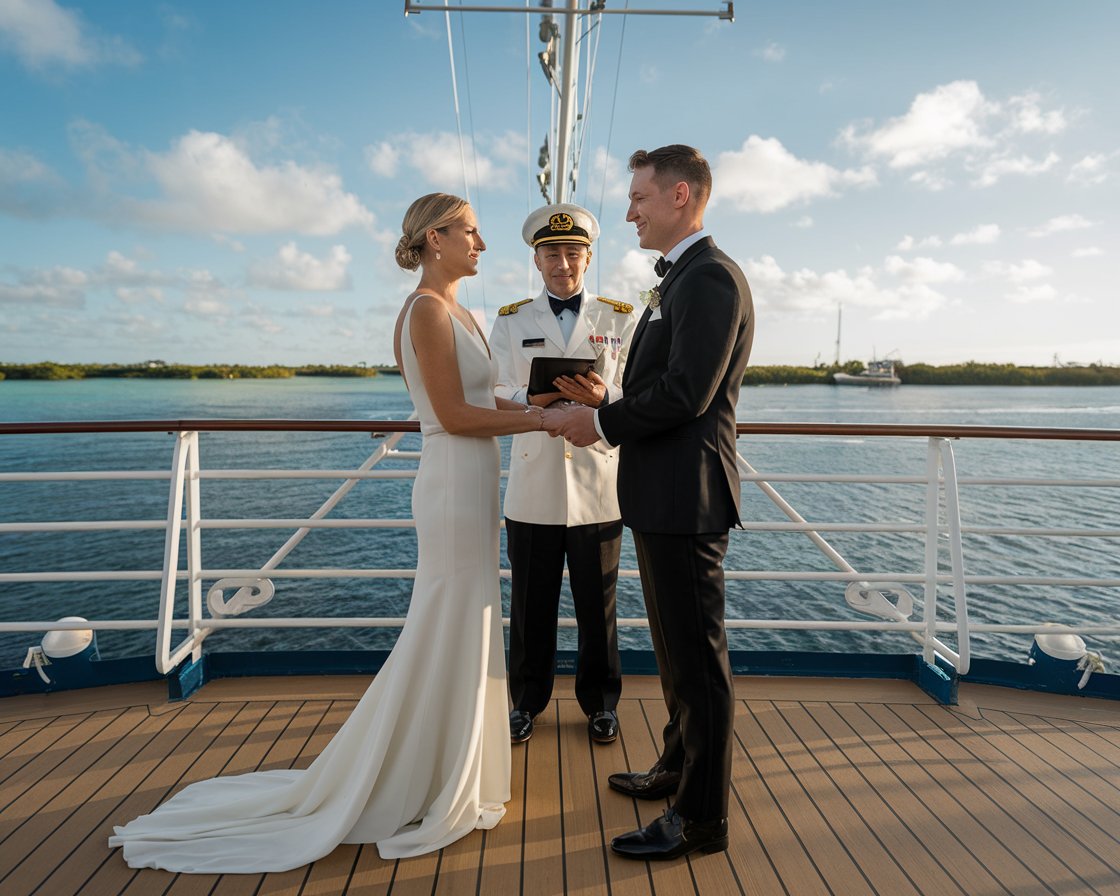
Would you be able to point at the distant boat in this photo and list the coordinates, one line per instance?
(878, 373)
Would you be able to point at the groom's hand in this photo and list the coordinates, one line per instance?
(578, 426)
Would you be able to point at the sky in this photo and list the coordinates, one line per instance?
(213, 182)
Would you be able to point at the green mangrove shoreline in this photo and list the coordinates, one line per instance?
(970, 373)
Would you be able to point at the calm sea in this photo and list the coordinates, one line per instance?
(385, 398)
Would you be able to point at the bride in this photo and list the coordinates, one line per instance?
(425, 757)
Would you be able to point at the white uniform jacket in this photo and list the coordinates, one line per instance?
(550, 480)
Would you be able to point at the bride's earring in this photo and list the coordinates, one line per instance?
(438, 256)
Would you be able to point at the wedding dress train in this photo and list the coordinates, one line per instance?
(425, 757)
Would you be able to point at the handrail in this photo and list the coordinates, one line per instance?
(877, 593)
(919, 430)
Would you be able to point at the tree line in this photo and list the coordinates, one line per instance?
(970, 373)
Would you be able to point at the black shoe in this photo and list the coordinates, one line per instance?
(671, 836)
(520, 726)
(603, 726)
(656, 784)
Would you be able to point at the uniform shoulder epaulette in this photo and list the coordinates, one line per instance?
(512, 309)
(620, 307)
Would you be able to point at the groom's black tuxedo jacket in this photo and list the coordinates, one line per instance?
(675, 424)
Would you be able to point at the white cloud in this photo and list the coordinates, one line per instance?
(18, 167)
(922, 270)
(991, 170)
(58, 287)
(978, 236)
(1025, 295)
(907, 243)
(1024, 272)
(933, 181)
(437, 158)
(807, 292)
(1088, 252)
(1090, 170)
(1027, 115)
(118, 275)
(804, 222)
(383, 159)
(1061, 224)
(43, 36)
(210, 183)
(292, 269)
(949, 118)
(764, 176)
(28, 188)
(609, 172)
(632, 274)
(955, 122)
(772, 52)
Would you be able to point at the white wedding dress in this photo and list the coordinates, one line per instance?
(425, 757)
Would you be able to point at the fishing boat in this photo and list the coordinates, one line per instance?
(877, 373)
(917, 767)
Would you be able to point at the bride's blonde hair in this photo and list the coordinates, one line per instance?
(432, 212)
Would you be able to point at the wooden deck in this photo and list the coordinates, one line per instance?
(840, 787)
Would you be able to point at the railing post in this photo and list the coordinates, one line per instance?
(929, 604)
(194, 549)
(941, 469)
(171, 552)
(184, 485)
(956, 555)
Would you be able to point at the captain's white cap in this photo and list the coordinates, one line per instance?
(560, 223)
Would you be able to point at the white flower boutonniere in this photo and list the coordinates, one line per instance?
(650, 297)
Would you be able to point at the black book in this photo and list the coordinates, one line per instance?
(544, 370)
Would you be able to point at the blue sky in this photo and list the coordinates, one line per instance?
(213, 182)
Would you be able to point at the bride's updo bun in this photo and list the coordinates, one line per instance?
(432, 212)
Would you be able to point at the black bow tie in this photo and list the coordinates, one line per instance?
(661, 266)
(558, 305)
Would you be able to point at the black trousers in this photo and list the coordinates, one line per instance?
(682, 582)
(536, 558)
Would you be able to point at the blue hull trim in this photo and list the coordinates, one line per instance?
(939, 681)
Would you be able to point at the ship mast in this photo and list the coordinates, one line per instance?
(558, 157)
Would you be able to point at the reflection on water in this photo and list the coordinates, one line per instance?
(891, 553)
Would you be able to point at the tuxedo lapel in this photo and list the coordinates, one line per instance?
(663, 287)
(681, 263)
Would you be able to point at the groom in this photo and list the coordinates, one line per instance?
(678, 487)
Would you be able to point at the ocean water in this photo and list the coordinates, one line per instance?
(385, 398)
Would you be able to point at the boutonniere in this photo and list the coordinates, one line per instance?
(650, 297)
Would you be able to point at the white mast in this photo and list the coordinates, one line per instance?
(560, 173)
(565, 128)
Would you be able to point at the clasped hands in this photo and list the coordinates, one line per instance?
(570, 410)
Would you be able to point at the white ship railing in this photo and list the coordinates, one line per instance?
(884, 594)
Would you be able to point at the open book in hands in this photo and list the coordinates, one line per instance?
(544, 370)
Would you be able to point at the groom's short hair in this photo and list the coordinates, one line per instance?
(674, 163)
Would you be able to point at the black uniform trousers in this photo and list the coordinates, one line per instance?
(682, 582)
(536, 558)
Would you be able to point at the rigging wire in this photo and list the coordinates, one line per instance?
(530, 181)
(455, 98)
(474, 141)
(459, 131)
(588, 91)
(610, 131)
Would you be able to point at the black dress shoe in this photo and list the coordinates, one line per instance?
(603, 726)
(656, 784)
(520, 726)
(670, 837)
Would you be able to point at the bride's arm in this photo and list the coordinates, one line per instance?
(433, 339)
